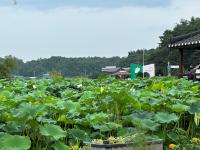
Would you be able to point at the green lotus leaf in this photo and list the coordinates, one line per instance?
(73, 106)
(142, 114)
(149, 124)
(6, 93)
(165, 117)
(62, 118)
(97, 117)
(2, 108)
(69, 106)
(179, 107)
(172, 92)
(45, 120)
(173, 136)
(88, 96)
(195, 89)
(80, 135)
(28, 111)
(126, 131)
(14, 142)
(60, 146)
(104, 127)
(154, 102)
(156, 86)
(13, 127)
(54, 131)
(148, 93)
(195, 108)
(101, 127)
(179, 135)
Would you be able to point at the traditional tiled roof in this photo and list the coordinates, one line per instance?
(184, 41)
(116, 70)
(121, 72)
(111, 70)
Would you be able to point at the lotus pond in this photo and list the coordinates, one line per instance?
(61, 114)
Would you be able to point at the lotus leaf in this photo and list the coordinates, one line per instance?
(149, 124)
(165, 117)
(69, 106)
(60, 146)
(80, 135)
(54, 131)
(180, 107)
(104, 127)
(195, 108)
(14, 142)
(97, 117)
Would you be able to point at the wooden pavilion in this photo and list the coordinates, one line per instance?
(190, 41)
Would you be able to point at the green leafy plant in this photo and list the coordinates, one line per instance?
(52, 131)
(55, 114)
(14, 142)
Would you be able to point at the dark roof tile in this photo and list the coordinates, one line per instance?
(190, 39)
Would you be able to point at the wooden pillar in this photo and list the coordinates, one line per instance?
(180, 62)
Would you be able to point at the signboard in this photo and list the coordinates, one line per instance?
(149, 69)
(135, 69)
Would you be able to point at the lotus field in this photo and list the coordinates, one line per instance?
(61, 114)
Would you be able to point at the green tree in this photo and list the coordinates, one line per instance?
(7, 66)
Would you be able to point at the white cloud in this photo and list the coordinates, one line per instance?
(73, 32)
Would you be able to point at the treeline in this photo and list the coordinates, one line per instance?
(91, 66)
(70, 67)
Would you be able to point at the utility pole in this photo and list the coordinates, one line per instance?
(168, 69)
(85, 72)
(143, 64)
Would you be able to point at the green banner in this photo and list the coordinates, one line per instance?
(135, 69)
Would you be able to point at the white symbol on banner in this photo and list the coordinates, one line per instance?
(137, 70)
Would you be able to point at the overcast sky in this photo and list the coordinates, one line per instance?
(35, 29)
